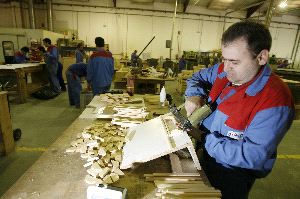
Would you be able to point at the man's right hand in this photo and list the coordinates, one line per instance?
(193, 103)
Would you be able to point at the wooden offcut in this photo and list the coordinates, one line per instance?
(6, 137)
(182, 185)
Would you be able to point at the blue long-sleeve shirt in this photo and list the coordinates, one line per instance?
(249, 121)
(80, 69)
(51, 57)
(19, 58)
(79, 55)
(100, 69)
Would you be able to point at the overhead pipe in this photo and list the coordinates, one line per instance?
(297, 48)
(270, 13)
(49, 15)
(31, 14)
(13, 14)
(173, 26)
(22, 14)
(249, 6)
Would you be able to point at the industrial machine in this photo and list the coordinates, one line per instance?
(8, 51)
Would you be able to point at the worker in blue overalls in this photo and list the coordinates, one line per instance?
(79, 53)
(73, 74)
(21, 56)
(51, 60)
(100, 69)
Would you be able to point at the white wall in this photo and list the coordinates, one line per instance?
(128, 29)
(23, 37)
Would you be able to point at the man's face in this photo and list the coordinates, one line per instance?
(239, 63)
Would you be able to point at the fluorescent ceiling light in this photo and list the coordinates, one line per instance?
(282, 4)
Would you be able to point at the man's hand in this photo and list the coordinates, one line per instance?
(192, 103)
(195, 133)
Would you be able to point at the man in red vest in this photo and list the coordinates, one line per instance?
(252, 109)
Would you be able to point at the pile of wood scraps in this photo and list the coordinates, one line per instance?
(182, 185)
(101, 146)
(129, 116)
(105, 106)
(115, 99)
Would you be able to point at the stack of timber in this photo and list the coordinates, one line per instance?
(182, 185)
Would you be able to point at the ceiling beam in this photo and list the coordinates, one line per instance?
(115, 3)
(252, 10)
(185, 5)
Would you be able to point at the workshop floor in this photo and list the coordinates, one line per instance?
(42, 122)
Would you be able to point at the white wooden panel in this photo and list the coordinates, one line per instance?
(40, 19)
(283, 41)
(140, 32)
(98, 27)
(113, 35)
(84, 32)
(63, 20)
(211, 35)
(6, 14)
(162, 28)
(191, 34)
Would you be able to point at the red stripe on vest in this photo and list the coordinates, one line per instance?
(218, 85)
(18, 54)
(242, 108)
(101, 54)
(49, 49)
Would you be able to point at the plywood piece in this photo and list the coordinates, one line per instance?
(151, 136)
(5, 126)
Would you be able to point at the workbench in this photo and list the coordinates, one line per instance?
(148, 84)
(24, 78)
(288, 73)
(58, 175)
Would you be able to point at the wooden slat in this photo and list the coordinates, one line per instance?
(182, 185)
(178, 178)
(6, 136)
(173, 174)
(175, 163)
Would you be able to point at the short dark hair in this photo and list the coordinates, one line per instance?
(25, 49)
(255, 33)
(99, 41)
(79, 45)
(47, 40)
(42, 49)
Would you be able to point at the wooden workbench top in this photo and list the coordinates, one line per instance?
(58, 175)
(15, 66)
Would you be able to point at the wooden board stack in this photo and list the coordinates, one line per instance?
(182, 185)
(101, 146)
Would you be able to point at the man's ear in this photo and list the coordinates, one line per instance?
(263, 57)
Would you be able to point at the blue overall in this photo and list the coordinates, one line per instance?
(79, 55)
(51, 59)
(100, 71)
(73, 74)
(245, 128)
(19, 58)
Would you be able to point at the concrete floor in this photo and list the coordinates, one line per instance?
(42, 122)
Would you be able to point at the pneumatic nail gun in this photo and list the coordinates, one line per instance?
(194, 119)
